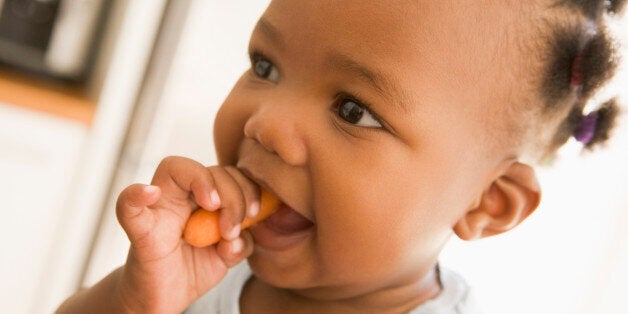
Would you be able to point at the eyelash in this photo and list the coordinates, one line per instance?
(356, 98)
(254, 57)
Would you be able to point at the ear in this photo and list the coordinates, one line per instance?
(508, 200)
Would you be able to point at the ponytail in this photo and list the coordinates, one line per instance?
(584, 59)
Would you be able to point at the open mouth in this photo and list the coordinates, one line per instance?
(282, 230)
(286, 220)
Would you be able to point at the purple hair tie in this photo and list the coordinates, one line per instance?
(586, 128)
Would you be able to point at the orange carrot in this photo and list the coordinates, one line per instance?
(202, 226)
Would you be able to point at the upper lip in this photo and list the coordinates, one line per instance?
(257, 180)
(265, 185)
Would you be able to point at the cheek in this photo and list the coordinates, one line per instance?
(377, 211)
(229, 125)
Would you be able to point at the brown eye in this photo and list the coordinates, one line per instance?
(265, 69)
(355, 113)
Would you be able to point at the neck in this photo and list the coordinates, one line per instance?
(259, 297)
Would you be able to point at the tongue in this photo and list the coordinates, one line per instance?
(285, 220)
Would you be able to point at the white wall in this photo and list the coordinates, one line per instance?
(38, 158)
(571, 255)
(55, 172)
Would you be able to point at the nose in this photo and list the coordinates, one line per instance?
(279, 129)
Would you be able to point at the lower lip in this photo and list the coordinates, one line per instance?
(269, 237)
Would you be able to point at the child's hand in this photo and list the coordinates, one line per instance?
(162, 272)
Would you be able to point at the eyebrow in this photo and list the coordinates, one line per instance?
(386, 88)
(270, 31)
(382, 85)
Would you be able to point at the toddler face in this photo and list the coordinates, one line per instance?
(374, 120)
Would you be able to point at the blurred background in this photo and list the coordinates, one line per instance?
(94, 93)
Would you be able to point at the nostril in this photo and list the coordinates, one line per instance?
(252, 131)
(248, 129)
(265, 143)
(278, 135)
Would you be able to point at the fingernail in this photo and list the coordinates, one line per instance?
(237, 246)
(150, 189)
(254, 209)
(235, 232)
(214, 198)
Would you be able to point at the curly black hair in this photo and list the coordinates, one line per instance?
(586, 52)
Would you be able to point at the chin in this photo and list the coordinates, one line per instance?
(300, 278)
(281, 271)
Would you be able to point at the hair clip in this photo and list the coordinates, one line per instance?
(576, 72)
(577, 76)
(585, 130)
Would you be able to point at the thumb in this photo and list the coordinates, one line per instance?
(132, 210)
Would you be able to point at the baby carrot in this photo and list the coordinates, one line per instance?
(202, 226)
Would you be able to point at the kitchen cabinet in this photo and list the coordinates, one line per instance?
(59, 148)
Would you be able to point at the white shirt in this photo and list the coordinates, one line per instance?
(455, 298)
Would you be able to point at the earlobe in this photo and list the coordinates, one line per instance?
(506, 202)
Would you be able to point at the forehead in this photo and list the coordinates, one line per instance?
(454, 42)
(402, 30)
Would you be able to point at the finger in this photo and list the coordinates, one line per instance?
(181, 178)
(234, 251)
(232, 201)
(250, 190)
(132, 209)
